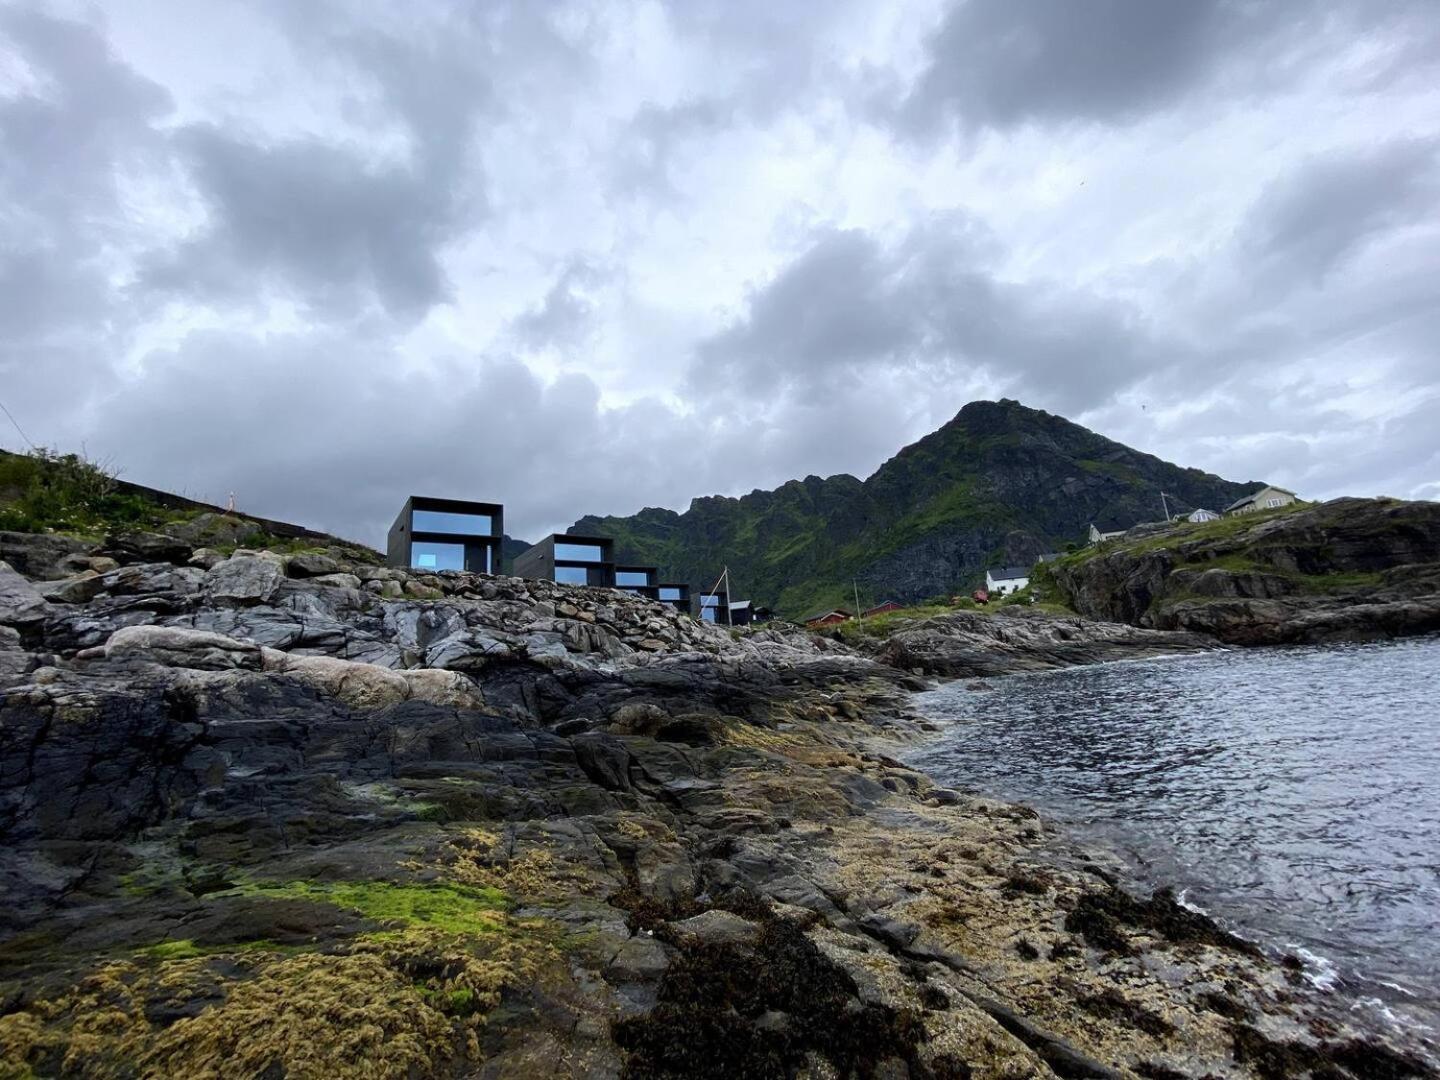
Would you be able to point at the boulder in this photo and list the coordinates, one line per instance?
(20, 604)
(359, 685)
(244, 579)
(80, 589)
(313, 564)
(40, 555)
(147, 547)
(716, 927)
(215, 530)
(177, 646)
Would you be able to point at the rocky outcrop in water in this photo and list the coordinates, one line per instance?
(1346, 570)
(966, 644)
(303, 816)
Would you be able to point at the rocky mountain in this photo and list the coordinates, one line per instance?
(997, 485)
(1344, 570)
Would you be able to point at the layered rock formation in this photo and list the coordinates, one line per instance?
(1350, 569)
(302, 816)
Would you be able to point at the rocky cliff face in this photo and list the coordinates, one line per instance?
(999, 484)
(297, 815)
(1350, 569)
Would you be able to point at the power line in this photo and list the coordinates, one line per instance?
(18, 427)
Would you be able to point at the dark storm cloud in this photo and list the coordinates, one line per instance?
(1005, 62)
(63, 142)
(312, 220)
(321, 220)
(850, 306)
(330, 429)
(1327, 208)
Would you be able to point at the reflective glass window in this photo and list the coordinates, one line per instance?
(425, 555)
(631, 577)
(572, 575)
(438, 521)
(579, 552)
(669, 594)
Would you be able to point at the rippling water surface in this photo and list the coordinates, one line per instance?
(1294, 793)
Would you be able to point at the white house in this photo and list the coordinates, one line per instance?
(1267, 498)
(1198, 516)
(1006, 579)
(1098, 536)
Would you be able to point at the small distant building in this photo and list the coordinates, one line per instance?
(1198, 516)
(570, 560)
(762, 614)
(712, 607)
(639, 581)
(827, 618)
(742, 613)
(1106, 531)
(446, 534)
(1006, 579)
(674, 594)
(880, 609)
(1050, 556)
(1267, 498)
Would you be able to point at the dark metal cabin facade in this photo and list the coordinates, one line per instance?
(570, 560)
(447, 534)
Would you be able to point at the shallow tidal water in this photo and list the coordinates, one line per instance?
(1293, 793)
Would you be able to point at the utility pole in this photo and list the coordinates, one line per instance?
(856, 587)
(1165, 505)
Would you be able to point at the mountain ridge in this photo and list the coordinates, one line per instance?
(998, 483)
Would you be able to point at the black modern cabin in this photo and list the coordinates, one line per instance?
(639, 580)
(447, 534)
(674, 594)
(570, 560)
(713, 607)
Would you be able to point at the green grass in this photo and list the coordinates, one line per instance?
(1183, 532)
(455, 909)
(188, 949)
(45, 491)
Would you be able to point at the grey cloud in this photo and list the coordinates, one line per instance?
(849, 306)
(319, 219)
(332, 429)
(62, 145)
(564, 316)
(315, 219)
(1006, 62)
(1322, 211)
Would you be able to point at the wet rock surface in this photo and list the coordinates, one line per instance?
(968, 644)
(298, 816)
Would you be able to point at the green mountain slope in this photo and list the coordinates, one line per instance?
(997, 485)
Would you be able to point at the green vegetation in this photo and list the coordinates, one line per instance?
(44, 491)
(187, 949)
(930, 520)
(454, 909)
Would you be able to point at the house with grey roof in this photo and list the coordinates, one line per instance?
(1006, 579)
(1267, 498)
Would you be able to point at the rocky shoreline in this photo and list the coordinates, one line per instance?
(302, 816)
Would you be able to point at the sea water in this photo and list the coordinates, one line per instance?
(1293, 793)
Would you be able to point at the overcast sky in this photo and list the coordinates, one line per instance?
(592, 257)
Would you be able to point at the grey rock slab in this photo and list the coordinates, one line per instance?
(244, 579)
(20, 603)
(80, 589)
(41, 555)
(175, 646)
(716, 927)
(310, 564)
(641, 959)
